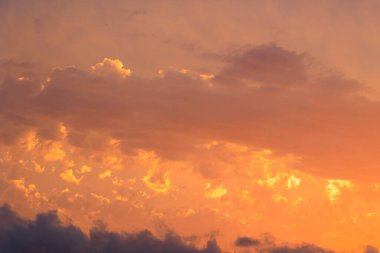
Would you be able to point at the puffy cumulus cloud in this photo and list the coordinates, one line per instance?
(110, 67)
(46, 233)
(69, 176)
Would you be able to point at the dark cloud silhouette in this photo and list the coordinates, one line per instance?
(371, 249)
(266, 244)
(47, 234)
(245, 241)
(307, 248)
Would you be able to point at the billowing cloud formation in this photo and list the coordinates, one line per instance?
(102, 142)
(267, 97)
(47, 234)
(192, 120)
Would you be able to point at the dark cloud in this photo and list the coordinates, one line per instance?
(371, 249)
(267, 245)
(297, 249)
(8, 218)
(245, 241)
(48, 234)
(267, 64)
(267, 97)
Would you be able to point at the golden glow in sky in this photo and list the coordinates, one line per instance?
(246, 126)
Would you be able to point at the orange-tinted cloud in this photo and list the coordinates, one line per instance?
(268, 97)
(229, 120)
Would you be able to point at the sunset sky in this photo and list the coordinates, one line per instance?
(250, 124)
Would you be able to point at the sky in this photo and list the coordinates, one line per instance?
(190, 126)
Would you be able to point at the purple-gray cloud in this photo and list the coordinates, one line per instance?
(47, 234)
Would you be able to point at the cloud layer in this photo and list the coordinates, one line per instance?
(267, 97)
(205, 118)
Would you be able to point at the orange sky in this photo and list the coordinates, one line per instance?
(208, 118)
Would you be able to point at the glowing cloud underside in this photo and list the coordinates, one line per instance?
(241, 126)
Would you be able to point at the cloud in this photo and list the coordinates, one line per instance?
(8, 218)
(266, 98)
(371, 249)
(111, 67)
(266, 64)
(298, 249)
(69, 176)
(267, 245)
(245, 241)
(46, 233)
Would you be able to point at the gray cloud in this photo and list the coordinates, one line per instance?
(307, 248)
(245, 241)
(371, 249)
(266, 64)
(47, 234)
(266, 244)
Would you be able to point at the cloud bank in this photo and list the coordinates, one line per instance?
(47, 234)
(267, 97)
